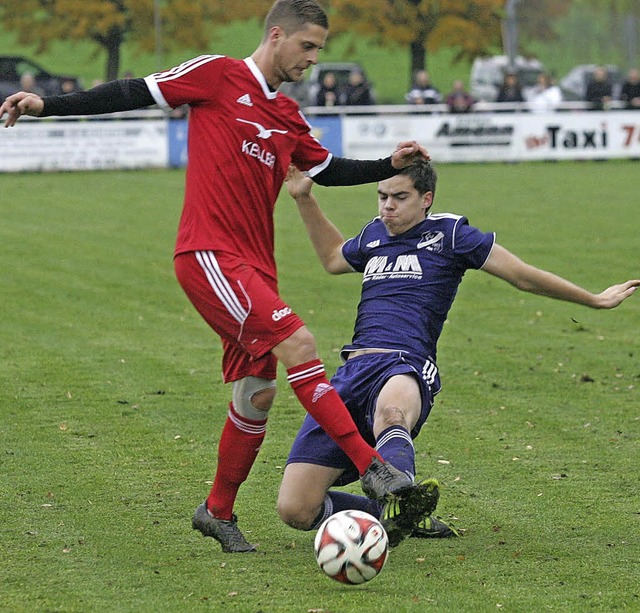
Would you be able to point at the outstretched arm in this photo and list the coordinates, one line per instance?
(121, 95)
(325, 237)
(504, 264)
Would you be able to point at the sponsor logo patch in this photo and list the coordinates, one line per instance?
(262, 131)
(403, 267)
(277, 315)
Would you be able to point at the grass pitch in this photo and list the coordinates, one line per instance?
(111, 406)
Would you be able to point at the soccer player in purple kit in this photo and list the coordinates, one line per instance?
(412, 262)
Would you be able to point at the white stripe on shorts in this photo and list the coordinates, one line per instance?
(220, 285)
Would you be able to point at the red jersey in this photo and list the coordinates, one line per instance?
(242, 138)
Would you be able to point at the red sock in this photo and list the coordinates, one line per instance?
(238, 448)
(323, 403)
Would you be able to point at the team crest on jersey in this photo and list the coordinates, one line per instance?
(245, 99)
(431, 241)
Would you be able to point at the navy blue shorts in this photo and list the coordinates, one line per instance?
(359, 381)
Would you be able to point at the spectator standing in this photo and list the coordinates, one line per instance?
(599, 90)
(422, 91)
(547, 95)
(630, 93)
(328, 92)
(357, 91)
(510, 90)
(459, 100)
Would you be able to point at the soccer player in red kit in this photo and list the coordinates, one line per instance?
(243, 134)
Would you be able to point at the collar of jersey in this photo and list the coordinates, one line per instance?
(260, 78)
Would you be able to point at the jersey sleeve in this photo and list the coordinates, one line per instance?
(471, 244)
(309, 155)
(192, 82)
(352, 248)
(353, 255)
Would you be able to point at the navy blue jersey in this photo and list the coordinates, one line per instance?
(409, 283)
(410, 280)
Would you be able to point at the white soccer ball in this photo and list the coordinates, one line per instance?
(351, 547)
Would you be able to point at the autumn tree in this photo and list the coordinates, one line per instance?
(472, 27)
(109, 23)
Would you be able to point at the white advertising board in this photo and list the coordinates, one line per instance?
(83, 145)
(482, 137)
(95, 144)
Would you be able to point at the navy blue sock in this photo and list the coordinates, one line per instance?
(396, 447)
(342, 501)
(336, 501)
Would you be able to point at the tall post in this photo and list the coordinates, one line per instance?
(510, 33)
(631, 39)
(157, 27)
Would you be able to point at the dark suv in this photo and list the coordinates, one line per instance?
(12, 67)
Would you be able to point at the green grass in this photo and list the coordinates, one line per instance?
(112, 404)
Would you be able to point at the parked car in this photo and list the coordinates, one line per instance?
(487, 75)
(12, 67)
(574, 84)
(305, 92)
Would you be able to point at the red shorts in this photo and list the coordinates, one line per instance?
(242, 305)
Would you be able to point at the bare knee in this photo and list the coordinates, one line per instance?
(389, 416)
(296, 514)
(303, 492)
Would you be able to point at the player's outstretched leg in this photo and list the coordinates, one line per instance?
(406, 510)
(226, 532)
(381, 479)
(432, 527)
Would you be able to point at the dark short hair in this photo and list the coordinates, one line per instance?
(294, 15)
(423, 175)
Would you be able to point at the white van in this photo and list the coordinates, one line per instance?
(487, 75)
